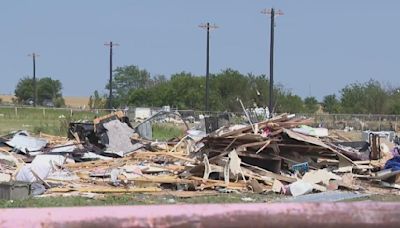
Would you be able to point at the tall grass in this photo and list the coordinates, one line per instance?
(51, 121)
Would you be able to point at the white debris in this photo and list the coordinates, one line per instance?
(23, 142)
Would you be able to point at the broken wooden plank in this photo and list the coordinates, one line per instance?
(270, 174)
(105, 190)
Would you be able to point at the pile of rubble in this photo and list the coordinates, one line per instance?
(281, 154)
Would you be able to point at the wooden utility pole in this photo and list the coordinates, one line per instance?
(273, 13)
(208, 27)
(110, 44)
(34, 55)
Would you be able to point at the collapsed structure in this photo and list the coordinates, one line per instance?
(281, 155)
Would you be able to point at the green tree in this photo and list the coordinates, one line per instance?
(47, 90)
(287, 102)
(331, 104)
(311, 105)
(128, 78)
(230, 85)
(369, 98)
(393, 102)
(24, 90)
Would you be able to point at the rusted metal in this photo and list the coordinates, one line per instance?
(360, 214)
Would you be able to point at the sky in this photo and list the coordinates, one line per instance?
(320, 46)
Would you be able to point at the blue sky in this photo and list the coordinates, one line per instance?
(321, 46)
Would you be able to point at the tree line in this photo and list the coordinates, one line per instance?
(133, 86)
(137, 87)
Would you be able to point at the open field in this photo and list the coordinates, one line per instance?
(70, 101)
(55, 122)
(52, 121)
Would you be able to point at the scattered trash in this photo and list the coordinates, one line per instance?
(247, 199)
(300, 188)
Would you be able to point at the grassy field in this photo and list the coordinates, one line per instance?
(55, 122)
(51, 121)
(70, 101)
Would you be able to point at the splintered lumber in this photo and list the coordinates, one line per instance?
(118, 114)
(161, 179)
(96, 164)
(5, 149)
(218, 183)
(178, 156)
(184, 194)
(105, 190)
(262, 124)
(255, 144)
(53, 139)
(270, 174)
(343, 160)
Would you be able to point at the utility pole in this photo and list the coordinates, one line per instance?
(34, 55)
(110, 44)
(208, 27)
(273, 13)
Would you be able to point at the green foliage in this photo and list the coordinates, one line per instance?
(24, 90)
(367, 98)
(290, 103)
(393, 102)
(187, 91)
(311, 105)
(126, 79)
(135, 86)
(166, 131)
(331, 104)
(47, 90)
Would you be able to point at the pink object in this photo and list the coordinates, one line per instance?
(360, 214)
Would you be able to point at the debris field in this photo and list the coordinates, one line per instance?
(281, 154)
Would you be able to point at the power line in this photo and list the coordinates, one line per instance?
(273, 13)
(208, 27)
(34, 55)
(110, 44)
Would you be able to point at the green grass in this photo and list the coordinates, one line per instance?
(167, 131)
(136, 199)
(50, 121)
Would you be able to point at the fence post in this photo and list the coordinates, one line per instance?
(395, 124)
(334, 121)
(70, 113)
(380, 123)
(44, 112)
(16, 111)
